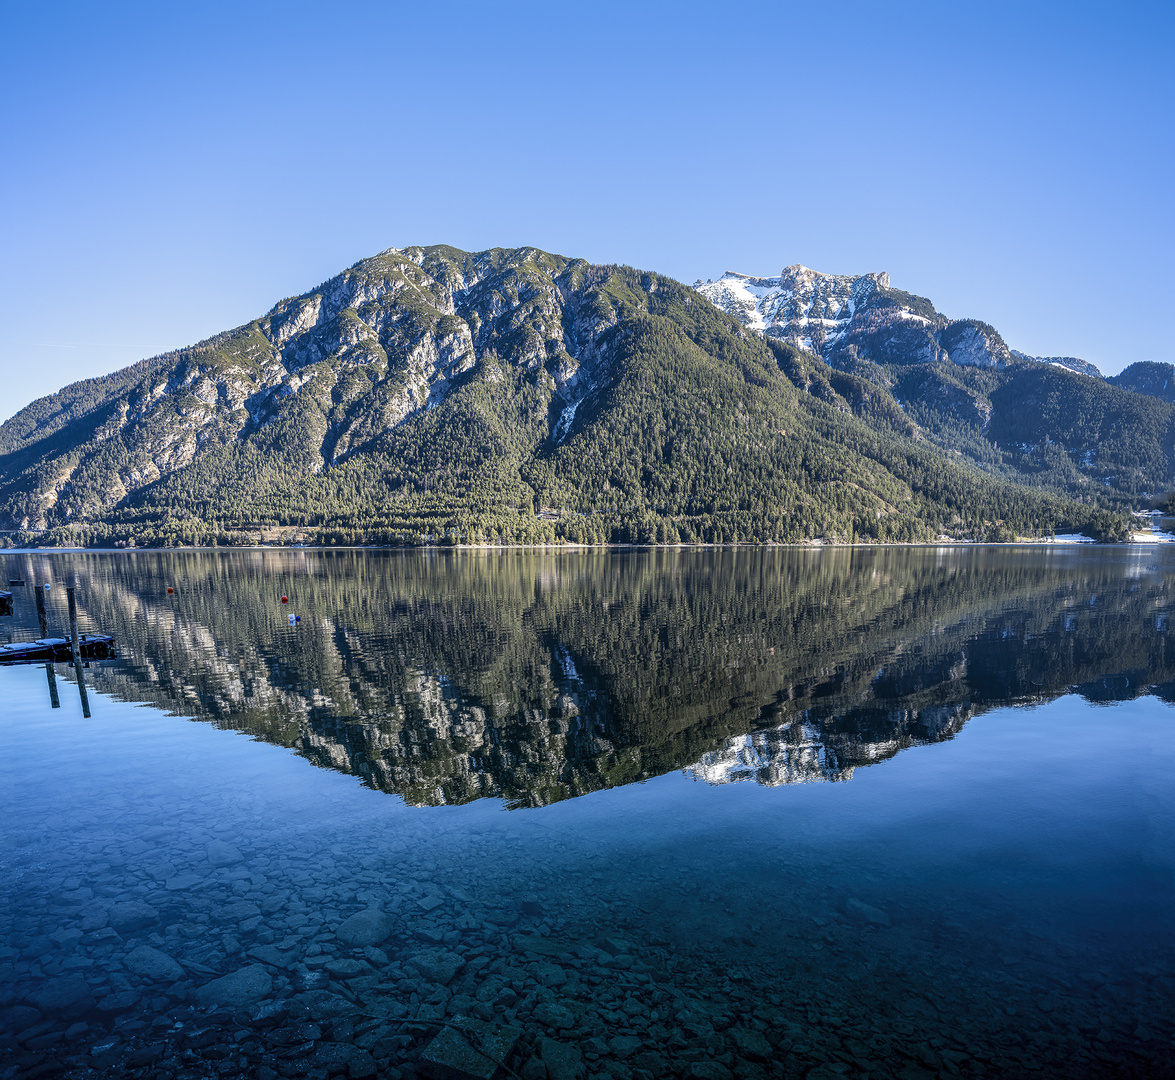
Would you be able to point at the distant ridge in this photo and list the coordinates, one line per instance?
(963, 389)
(1148, 377)
(1071, 363)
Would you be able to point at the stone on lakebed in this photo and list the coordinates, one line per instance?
(437, 965)
(469, 1050)
(554, 1015)
(118, 1002)
(223, 854)
(62, 996)
(132, 915)
(242, 987)
(368, 927)
(563, 1061)
(153, 964)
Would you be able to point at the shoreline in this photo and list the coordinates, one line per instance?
(810, 546)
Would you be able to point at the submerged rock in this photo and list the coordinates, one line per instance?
(751, 1044)
(118, 1002)
(710, 1070)
(61, 996)
(338, 1057)
(153, 964)
(866, 912)
(181, 882)
(272, 955)
(470, 1050)
(18, 1017)
(94, 919)
(554, 1016)
(242, 987)
(563, 1062)
(624, 1046)
(223, 854)
(368, 927)
(131, 915)
(437, 965)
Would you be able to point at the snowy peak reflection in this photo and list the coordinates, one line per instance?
(535, 677)
(803, 751)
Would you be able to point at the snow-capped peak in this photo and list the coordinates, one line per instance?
(800, 302)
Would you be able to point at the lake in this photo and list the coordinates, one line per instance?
(707, 814)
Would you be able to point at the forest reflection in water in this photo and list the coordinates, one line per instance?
(537, 676)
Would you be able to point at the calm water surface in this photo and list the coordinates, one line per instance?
(886, 813)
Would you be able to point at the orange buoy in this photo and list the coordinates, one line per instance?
(170, 590)
(285, 599)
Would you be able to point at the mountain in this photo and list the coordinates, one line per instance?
(1070, 363)
(1148, 377)
(436, 395)
(1051, 422)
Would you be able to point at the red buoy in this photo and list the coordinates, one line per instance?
(285, 599)
(170, 590)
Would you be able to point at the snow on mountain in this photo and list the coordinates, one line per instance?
(1070, 363)
(843, 319)
(800, 303)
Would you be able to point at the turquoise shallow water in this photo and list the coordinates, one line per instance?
(951, 852)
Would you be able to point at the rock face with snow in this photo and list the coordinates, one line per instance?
(1069, 363)
(802, 305)
(842, 319)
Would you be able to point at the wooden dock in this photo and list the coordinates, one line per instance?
(58, 650)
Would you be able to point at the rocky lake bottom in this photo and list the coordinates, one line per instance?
(182, 902)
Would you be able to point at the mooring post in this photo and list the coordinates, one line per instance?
(77, 669)
(42, 615)
(51, 675)
(73, 622)
(77, 649)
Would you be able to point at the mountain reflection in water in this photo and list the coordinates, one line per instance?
(538, 676)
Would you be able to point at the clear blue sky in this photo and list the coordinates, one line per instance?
(171, 170)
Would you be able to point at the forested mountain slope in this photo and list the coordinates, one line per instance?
(1052, 422)
(1148, 377)
(430, 394)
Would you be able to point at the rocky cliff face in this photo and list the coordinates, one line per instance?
(803, 305)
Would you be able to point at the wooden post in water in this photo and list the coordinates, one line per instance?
(51, 675)
(42, 616)
(73, 623)
(77, 649)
